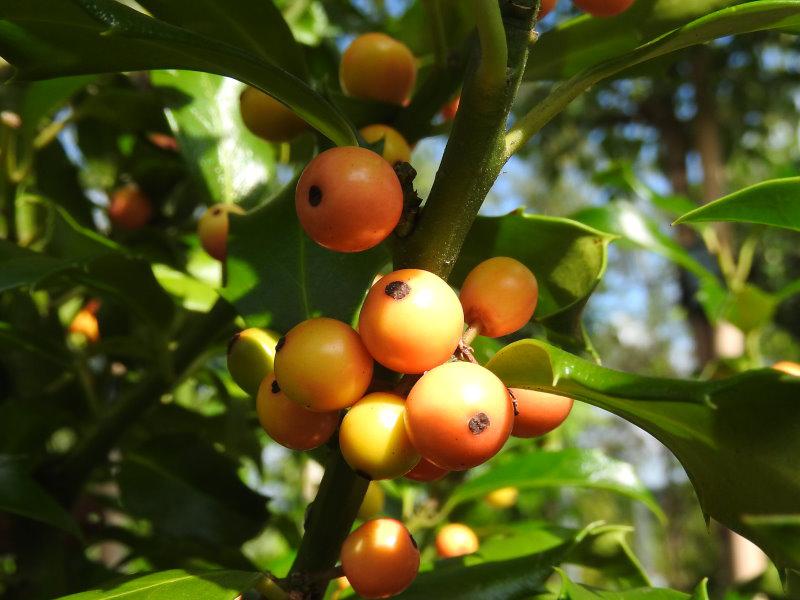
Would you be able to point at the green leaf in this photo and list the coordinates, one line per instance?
(43, 98)
(20, 494)
(782, 530)
(278, 277)
(775, 202)
(567, 257)
(736, 438)
(575, 591)
(232, 163)
(53, 38)
(176, 584)
(573, 467)
(20, 267)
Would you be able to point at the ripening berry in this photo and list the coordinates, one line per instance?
(459, 415)
(212, 228)
(411, 321)
(426, 471)
(450, 109)
(380, 558)
(269, 118)
(373, 437)
(129, 208)
(499, 296)
(546, 8)
(373, 502)
(604, 8)
(85, 323)
(378, 67)
(348, 199)
(788, 367)
(290, 424)
(504, 497)
(395, 146)
(538, 412)
(322, 365)
(456, 539)
(251, 357)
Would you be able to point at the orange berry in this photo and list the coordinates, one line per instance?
(269, 118)
(411, 321)
(395, 146)
(380, 558)
(129, 208)
(788, 367)
(604, 8)
(85, 322)
(290, 424)
(546, 8)
(459, 415)
(450, 109)
(321, 364)
(499, 296)
(426, 471)
(504, 497)
(373, 437)
(456, 539)
(212, 228)
(373, 501)
(251, 356)
(538, 412)
(378, 67)
(348, 199)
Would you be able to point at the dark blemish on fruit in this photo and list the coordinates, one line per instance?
(280, 344)
(233, 340)
(479, 423)
(216, 212)
(314, 195)
(397, 290)
(275, 387)
(514, 402)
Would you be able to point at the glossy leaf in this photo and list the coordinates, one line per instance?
(575, 591)
(176, 584)
(20, 494)
(278, 277)
(43, 98)
(573, 467)
(775, 202)
(54, 38)
(232, 163)
(736, 438)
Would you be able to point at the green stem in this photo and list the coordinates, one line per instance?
(433, 9)
(494, 52)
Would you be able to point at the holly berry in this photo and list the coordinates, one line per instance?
(269, 118)
(456, 539)
(373, 437)
(538, 412)
(373, 501)
(499, 296)
(504, 497)
(604, 8)
(411, 321)
(378, 67)
(395, 146)
(450, 109)
(546, 8)
(213, 229)
(348, 199)
(290, 424)
(85, 323)
(380, 558)
(323, 365)
(426, 471)
(251, 357)
(459, 415)
(788, 367)
(129, 208)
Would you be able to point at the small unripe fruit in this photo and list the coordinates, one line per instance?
(251, 357)
(456, 539)
(504, 497)
(373, 502)
(348, 199)
(323, 365)
(85, 322)
(129, 208)
(395, 146)
(373, 437)
(212, 228)
(450, 109)
(546, 8)
(538, 412)
(290, 424)
(499, 296)
(269, 118)
(604, 8)
(378, 67)
(788, 367)
(380, 559)
(426, 471)
(459, 415)
(411, 321)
